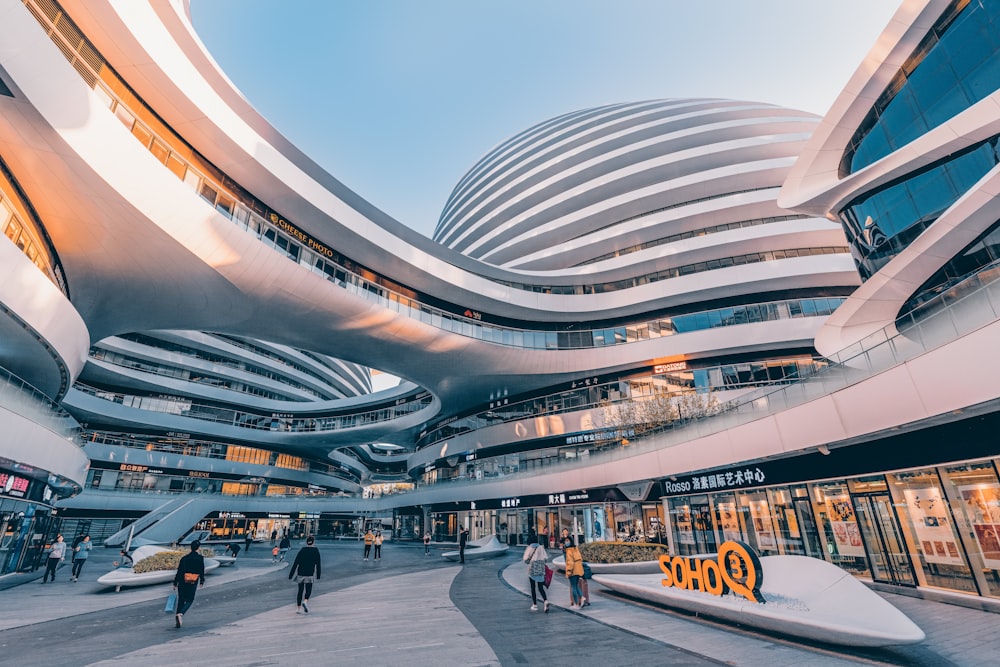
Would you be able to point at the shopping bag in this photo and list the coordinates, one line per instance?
(171, 602)
(548, 576)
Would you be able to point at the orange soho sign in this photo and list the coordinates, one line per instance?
(736, 569)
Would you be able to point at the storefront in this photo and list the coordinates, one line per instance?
(628, 512)
(28, 524)
(237, 526)
(934, 526)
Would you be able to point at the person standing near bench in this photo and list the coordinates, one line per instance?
(463, 538)
(80, 556)
(308, 568)
(190, 572)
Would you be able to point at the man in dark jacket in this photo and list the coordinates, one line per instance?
(463, 537)
(190, 572)
(305, 569)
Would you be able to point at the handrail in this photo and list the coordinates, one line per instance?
(965, 307)
(283, 422)
(21, 397)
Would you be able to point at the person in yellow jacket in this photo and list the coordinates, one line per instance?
(574, 571)
(369, 540)
(378, 545)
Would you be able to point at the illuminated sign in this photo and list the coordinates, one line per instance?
(510, 502)
(557, 498)
(730, 479)
(669, 368)
(736, 569)
(300, 235)
(198, 473)
(13, 485)
(129, 467)
(232, 515)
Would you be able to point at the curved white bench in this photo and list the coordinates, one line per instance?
(805, 597)
(484, 547)
(127, 576)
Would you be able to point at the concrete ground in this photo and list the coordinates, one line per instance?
(417, 610)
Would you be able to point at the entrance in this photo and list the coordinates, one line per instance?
(880, 531)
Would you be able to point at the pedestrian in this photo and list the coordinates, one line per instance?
(369, 541)
(543, 537)
(234, 549)
(536, 558)
(274, 537)
(57, 552)
(378, 545)
(190, 573)
(125, 560)
(427, 543)
(463, 538)
(283, 547)
(305, 570)
(574, 572)
(248, 541)
(584, 586)
(274, 553)
(80, 556)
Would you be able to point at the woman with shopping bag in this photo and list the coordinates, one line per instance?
(539, 574)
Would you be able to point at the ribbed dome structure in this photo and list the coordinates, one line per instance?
(610, 181)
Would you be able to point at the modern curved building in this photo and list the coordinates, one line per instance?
(619, 327)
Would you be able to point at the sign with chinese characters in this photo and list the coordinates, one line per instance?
(557, 498)
(604, 435)
(508, 503)
(14, 486)
(732, 478)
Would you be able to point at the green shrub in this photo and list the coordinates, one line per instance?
(621, 552)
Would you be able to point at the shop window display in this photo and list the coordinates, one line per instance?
(928, 525)
(975, 498)
(692, 527)
(760, 524)
(838, 525)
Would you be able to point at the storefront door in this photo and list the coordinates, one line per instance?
(889, 561)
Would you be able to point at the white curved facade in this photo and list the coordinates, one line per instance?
(233, 297)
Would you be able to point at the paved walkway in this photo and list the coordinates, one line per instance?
(417, 610)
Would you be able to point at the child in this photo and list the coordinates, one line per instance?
(274, 554)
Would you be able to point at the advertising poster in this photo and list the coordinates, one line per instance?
(762, 524)
(982, 506)
(932, 525)
(729, 522)
(844, 525)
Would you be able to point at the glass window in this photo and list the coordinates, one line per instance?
(927, 524)
(974, 495)
(760, 530)
(838, 526)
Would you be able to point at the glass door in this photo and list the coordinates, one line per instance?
(886, 551)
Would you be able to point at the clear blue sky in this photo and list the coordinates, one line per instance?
(399, 98)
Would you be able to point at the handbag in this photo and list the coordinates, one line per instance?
(548, 576)
(171, 602)
(587, 572)
(191, 577)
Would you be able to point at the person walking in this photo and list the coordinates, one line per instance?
(369, 541)
(80, 556)
(305, 569)
(378, 545)
(190, 573)
(427, 543)
(463, 538)
(536, 558)
(248, 541)
(57, 552)
(574, 572)
(234, 549)
(584, 586)
(274, 537)
(283, 547)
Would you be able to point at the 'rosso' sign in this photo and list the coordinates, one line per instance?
(736, 569)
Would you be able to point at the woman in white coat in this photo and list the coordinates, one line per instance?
(536, 558)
